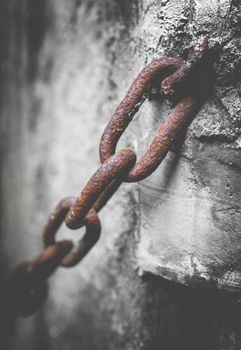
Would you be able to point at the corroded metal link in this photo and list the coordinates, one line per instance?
(116, 167)
(132, 102)
(44, 265)
(107, 194)
(27, 289)
(55, 220)
(176, 80)
(22, 301)
(127, 108)
(93, 229)
(168, 130)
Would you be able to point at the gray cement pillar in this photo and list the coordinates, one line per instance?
(65, 65)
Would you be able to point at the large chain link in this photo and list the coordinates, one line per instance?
(27, 288)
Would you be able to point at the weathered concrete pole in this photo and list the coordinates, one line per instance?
(65, 65)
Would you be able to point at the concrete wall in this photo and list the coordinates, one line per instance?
(65, 65)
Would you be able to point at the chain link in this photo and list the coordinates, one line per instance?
(91, 222)
(27, 287)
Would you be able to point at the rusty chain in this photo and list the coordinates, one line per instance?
(27, 288)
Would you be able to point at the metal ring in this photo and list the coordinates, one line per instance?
(27, 289)
(161, 143)
(130, 105)
(114, 168)
(93, 229)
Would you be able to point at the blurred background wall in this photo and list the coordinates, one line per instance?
(65, 65)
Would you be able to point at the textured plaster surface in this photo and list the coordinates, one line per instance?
(65, 65)
(190, 208)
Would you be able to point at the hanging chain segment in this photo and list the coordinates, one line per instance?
(91, 222)
(114, 168)
(27, 288)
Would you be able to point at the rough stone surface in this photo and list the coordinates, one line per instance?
(65, 65)
(190, 208)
